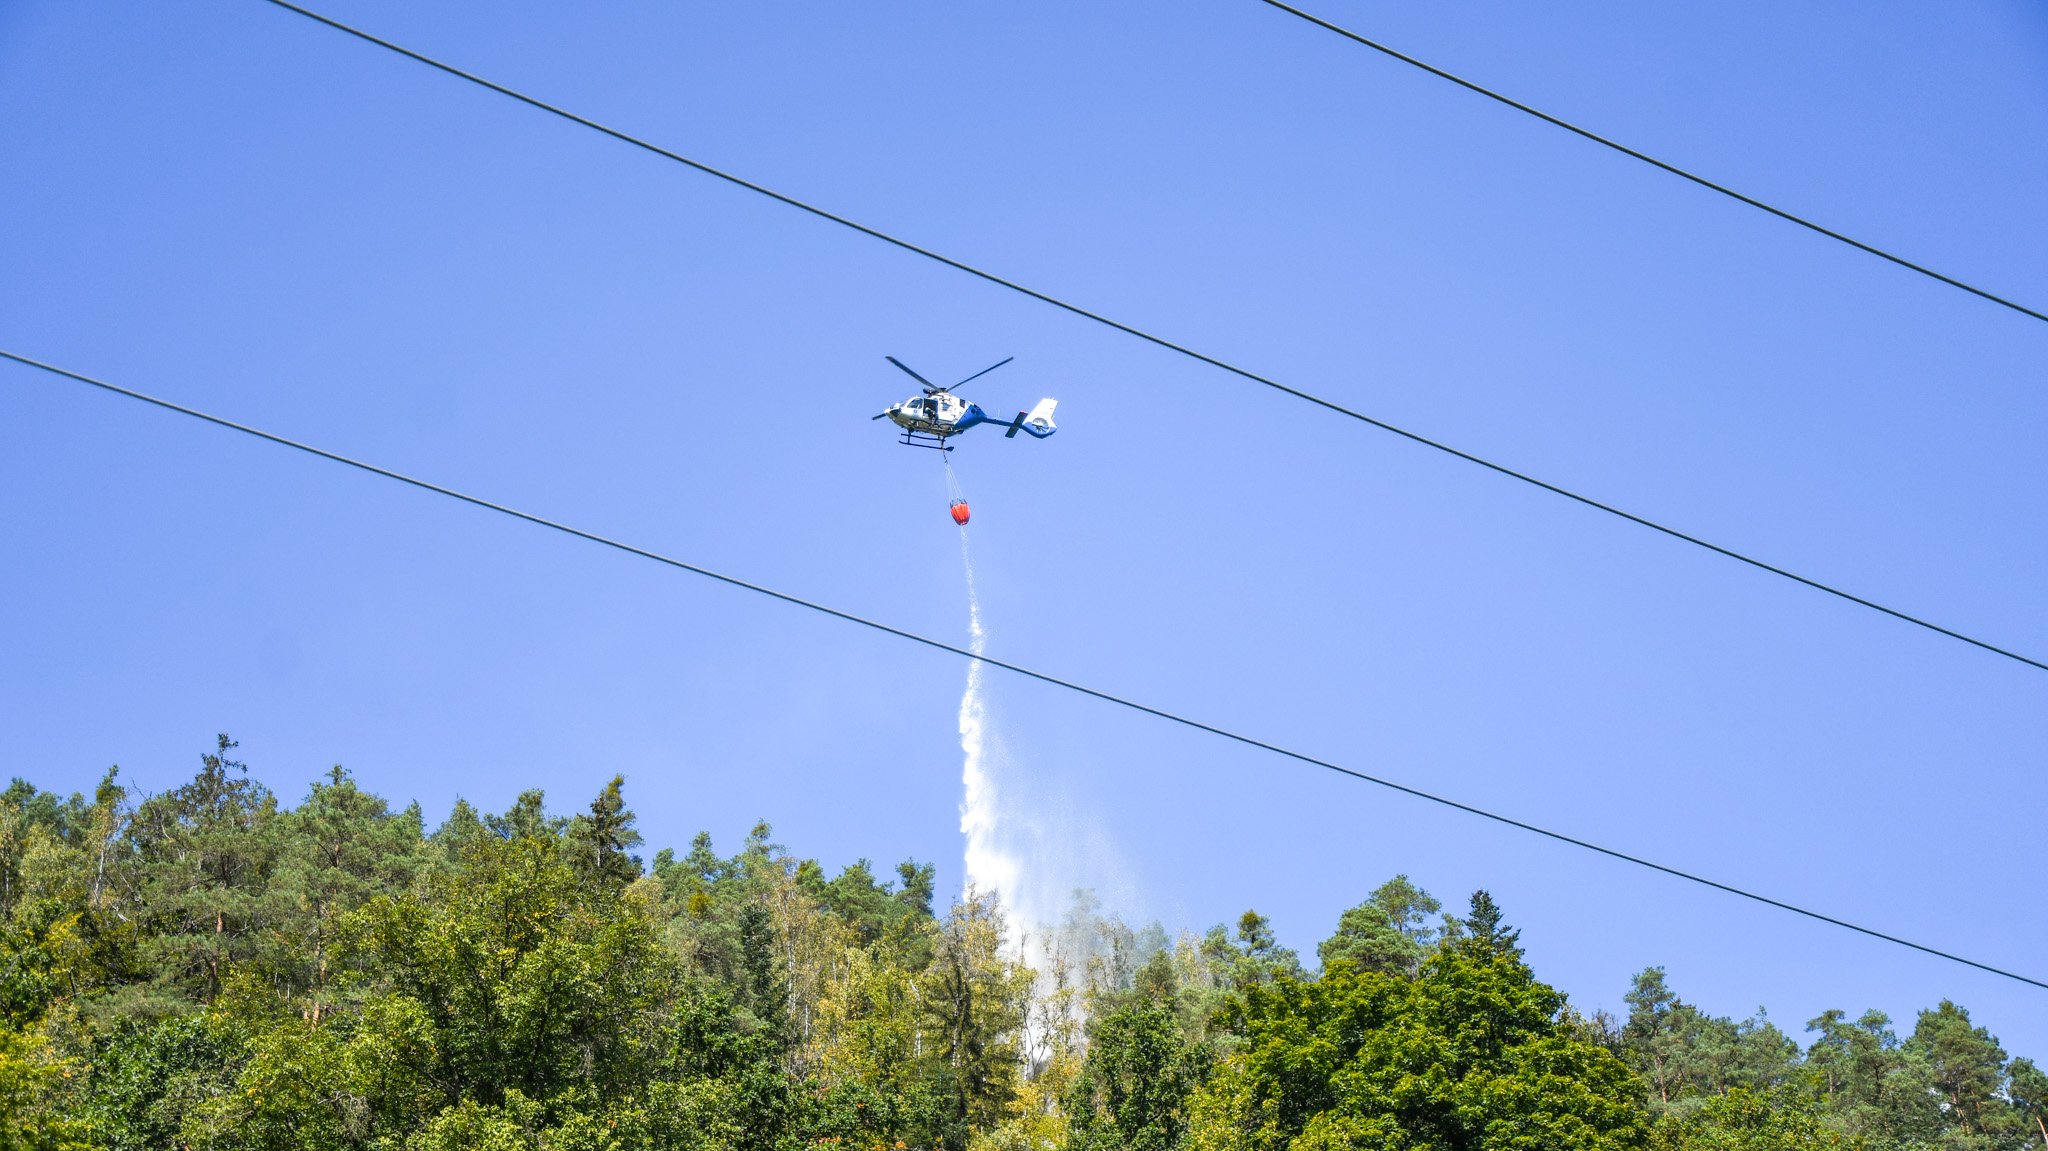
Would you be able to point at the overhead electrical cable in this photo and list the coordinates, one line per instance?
(1653, 161)
(1042, 677)
(1159, 341)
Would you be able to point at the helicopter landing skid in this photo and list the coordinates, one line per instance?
(925, 440)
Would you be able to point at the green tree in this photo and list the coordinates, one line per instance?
(1654, 1031)
(764, 983)
(212, 970)
(601, 843)
(868, 906)
(528, 979)
(356, 1081)
(918, 881)
(1391, 931)
(2028, 1089)
(1872, 1087)
(462, 828)
(1744, 1120)
(1484, 929)
(1684, 1053)
(878, 1064)
(147, 1076)
(1132, 1093)
(974, 1002)
(1967, 1069)
(338, 849)
(527, 818)
(1472, 1053)
(1255, 957)
(200, 860)
(47, 940)
(34, 1108)
(30, 818)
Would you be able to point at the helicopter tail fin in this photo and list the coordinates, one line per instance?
(1037, 421)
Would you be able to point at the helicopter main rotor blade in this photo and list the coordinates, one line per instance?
(985, 371)
(878, 417)
(929, 387)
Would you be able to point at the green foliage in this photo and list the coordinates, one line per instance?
(1966, 1068)
(147, 1076)
(1873, 1086)
(974, 1003)
(34, 1097)
(1133, 1090)
(462, 828)
(600, 844)
(201, 860)
(1472, 1052)
(339, 849)
(1391, 931)
(2027, 1088)
(525, 977)
(1486, 931)
(1682, 1051)
(211, 969)
(1744, 1120)
(1254, 958)
(59, 936)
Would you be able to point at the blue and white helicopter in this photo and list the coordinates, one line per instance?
(928, 420)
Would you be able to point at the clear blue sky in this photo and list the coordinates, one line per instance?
(230, 206)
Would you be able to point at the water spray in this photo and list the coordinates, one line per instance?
(989, 867)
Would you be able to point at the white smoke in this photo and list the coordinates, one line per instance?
(990, 866)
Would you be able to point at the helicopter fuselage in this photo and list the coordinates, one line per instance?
(930, 419)
(942, 414)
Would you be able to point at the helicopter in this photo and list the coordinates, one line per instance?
(930, 419)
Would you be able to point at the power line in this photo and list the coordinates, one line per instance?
(1158, 341)
(1653, 161)
(1042, 677)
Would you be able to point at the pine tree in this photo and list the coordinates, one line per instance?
(527, 818)
(1485, 932)
(2027, 1086)
(462, 828)
(1389, 932)
(1651, 1030)
(1968, 1069)
(339, 848)
(601, 842)
(201, 865)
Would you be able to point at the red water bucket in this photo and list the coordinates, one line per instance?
(959, 510)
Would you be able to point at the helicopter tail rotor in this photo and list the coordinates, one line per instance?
(1037, 422)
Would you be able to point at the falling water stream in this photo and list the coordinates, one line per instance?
(989, 866)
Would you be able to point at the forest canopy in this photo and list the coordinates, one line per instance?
(210, 968)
